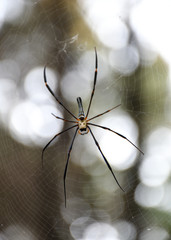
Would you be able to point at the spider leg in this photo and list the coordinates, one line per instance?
(53, 139)
(50, 90)
(94, 84)
(107, 163)
(120, 135)
(103, 113)
(66, 166)
(65, 120)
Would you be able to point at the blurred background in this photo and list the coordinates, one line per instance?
(132, 38)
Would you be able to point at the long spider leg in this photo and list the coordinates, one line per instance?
(65, 120)
(120, 135)
(66, 166)
(53, 139)
(50, 90)
(103, 113)
(94, 84)
(107, 163)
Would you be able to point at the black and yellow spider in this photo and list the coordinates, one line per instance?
(82, 125)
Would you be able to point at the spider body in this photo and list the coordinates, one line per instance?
(82, 125)
(82, 120)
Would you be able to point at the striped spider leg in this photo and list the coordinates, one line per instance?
(82, 125)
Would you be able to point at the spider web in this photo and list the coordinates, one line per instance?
(62, 36)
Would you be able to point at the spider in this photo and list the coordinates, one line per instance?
(82, 125)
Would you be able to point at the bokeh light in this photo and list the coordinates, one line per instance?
(155, 233)
(11, 12)
(120, 152)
